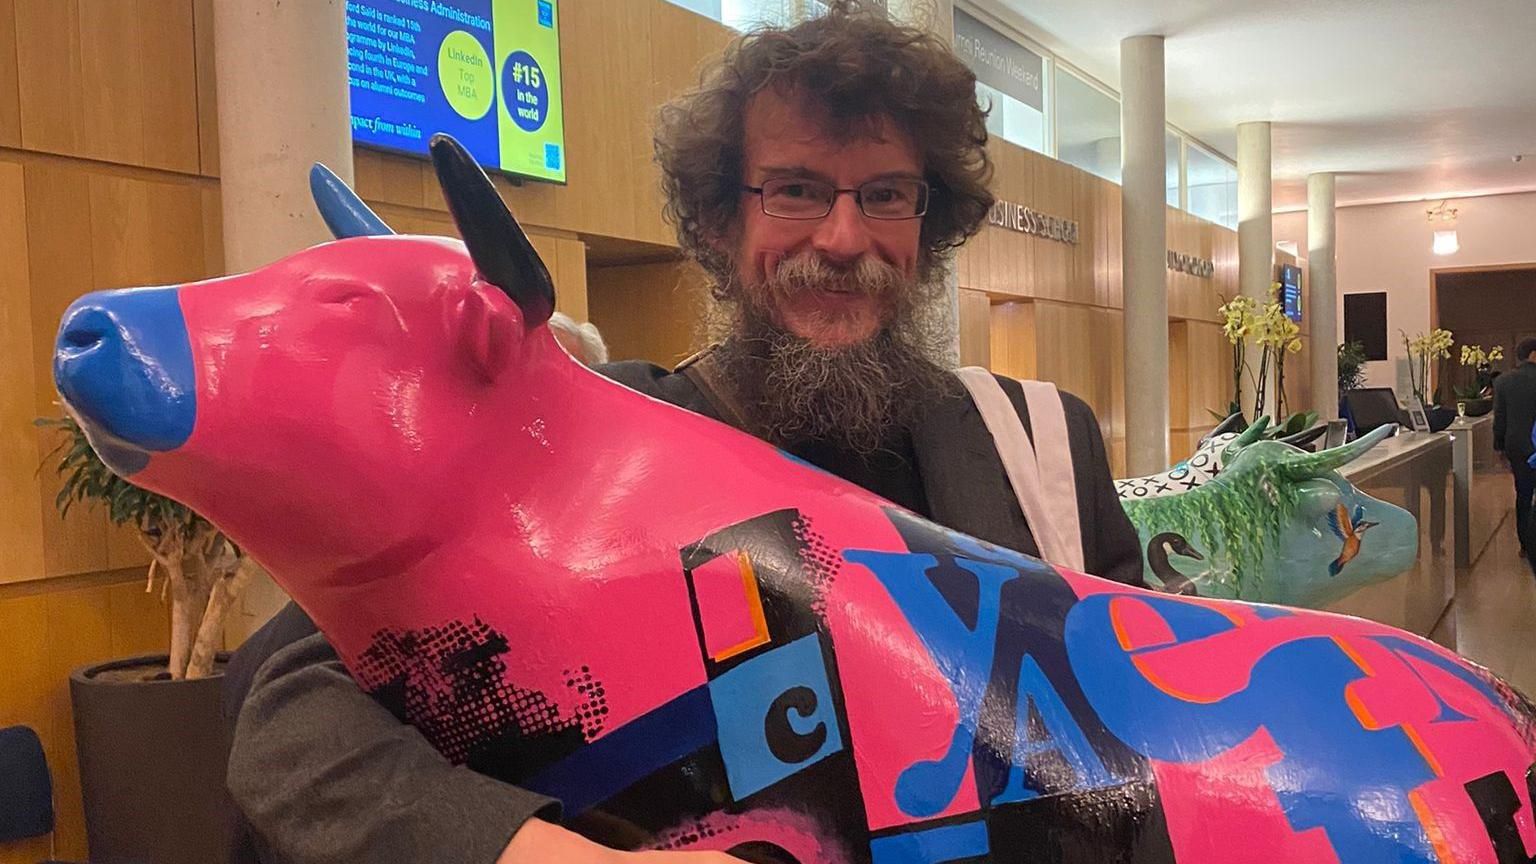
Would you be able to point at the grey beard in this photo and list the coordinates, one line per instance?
(859, 397)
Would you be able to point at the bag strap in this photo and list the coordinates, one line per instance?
(1035, 480)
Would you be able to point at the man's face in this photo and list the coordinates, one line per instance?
(784, 139)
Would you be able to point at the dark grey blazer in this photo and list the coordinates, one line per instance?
(321, 772)
(1514, 411)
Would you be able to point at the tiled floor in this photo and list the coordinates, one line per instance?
(1494, 612)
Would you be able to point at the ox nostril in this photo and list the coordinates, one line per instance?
(85, 329)
(82, 337)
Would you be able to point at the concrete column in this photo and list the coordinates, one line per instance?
(1255, 235)
(1321, 310)
(281, 73)
(1144, 241)
(283, 103)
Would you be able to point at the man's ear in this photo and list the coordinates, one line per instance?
(486, 327)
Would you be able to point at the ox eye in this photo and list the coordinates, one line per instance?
(345, 295)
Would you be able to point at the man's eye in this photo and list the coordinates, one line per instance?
(884, 194)
(795, 190)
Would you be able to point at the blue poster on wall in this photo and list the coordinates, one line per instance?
(1290, 291)
(484, 71)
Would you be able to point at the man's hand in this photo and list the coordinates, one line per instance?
(540, 842)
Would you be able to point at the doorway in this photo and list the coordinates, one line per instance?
(1484, 306)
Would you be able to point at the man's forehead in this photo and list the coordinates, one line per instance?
(777, 120)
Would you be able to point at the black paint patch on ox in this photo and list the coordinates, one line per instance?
(449, 681)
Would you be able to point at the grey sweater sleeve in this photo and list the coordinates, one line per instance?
(324, 773)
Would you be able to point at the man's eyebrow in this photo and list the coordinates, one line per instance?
(800, 171)
(797, 171)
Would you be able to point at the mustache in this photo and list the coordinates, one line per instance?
(811, 271)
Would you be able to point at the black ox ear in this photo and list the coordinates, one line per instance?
(496, 242)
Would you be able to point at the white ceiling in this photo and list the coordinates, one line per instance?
(1404, 99)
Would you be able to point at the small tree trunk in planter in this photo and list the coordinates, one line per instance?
(226, 588)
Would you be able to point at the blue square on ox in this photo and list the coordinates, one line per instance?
(775, 716)
(546, 13)
(552, 157)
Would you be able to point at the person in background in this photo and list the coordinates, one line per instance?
(820, 175)
(1514, 416)
(581, 341)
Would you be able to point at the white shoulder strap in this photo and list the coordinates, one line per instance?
(1041, 473)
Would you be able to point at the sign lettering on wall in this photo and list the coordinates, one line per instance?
(1191, 264)
(999, 62)
(1017, 217)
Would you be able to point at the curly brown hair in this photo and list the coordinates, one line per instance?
(855, 65)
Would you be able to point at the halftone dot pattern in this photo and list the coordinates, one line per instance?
(450, 682)
(686, 835)
(592, 713)
(820, 560)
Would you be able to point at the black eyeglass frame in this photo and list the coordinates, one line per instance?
(925, 190)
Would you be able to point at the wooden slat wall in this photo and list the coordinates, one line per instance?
(647, 311)
(1057, 308)
(975, 328)
(44, 635)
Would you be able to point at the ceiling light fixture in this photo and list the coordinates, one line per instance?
(1446, 242)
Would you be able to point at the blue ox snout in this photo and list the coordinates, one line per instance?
(123, 363)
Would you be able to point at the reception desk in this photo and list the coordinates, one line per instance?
(1414, 471)
(1484, 493)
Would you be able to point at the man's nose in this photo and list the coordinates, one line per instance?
(843, 235)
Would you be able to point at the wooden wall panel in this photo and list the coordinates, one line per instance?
(115, 81)
(21, 520)
(1199, 374)
(647, 311)
(44, 635)
(10, 103)
(207, 89)
(1081, 350)
(59, 264)
(50, 82)
(975, 327)
(1013, 340)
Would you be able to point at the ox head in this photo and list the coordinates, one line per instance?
(321, 405)
(1329, 537)
(1280, 525)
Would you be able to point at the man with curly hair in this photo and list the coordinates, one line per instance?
(820, 175)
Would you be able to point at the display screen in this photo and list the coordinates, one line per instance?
(1290, 291)
(486, 72)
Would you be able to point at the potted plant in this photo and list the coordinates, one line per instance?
(1476, 399)
(1423, 351)
(1351, 367)
(1237, 319)
(1275, 335)
(149, 730)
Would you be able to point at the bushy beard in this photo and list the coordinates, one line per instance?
(859, 396)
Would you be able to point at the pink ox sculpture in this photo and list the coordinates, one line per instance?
(696, 641)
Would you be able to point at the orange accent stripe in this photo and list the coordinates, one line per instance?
(1436, 836)
(1114, 623)
(1418, 743)
(1159, 683)
(754, 607)
(1353, 655)
(1362, 713)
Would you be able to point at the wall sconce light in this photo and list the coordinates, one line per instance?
(1446, 242)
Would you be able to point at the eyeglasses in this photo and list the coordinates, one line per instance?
(799, 198)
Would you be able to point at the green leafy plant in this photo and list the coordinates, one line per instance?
(1351, 367)
(201, 571)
